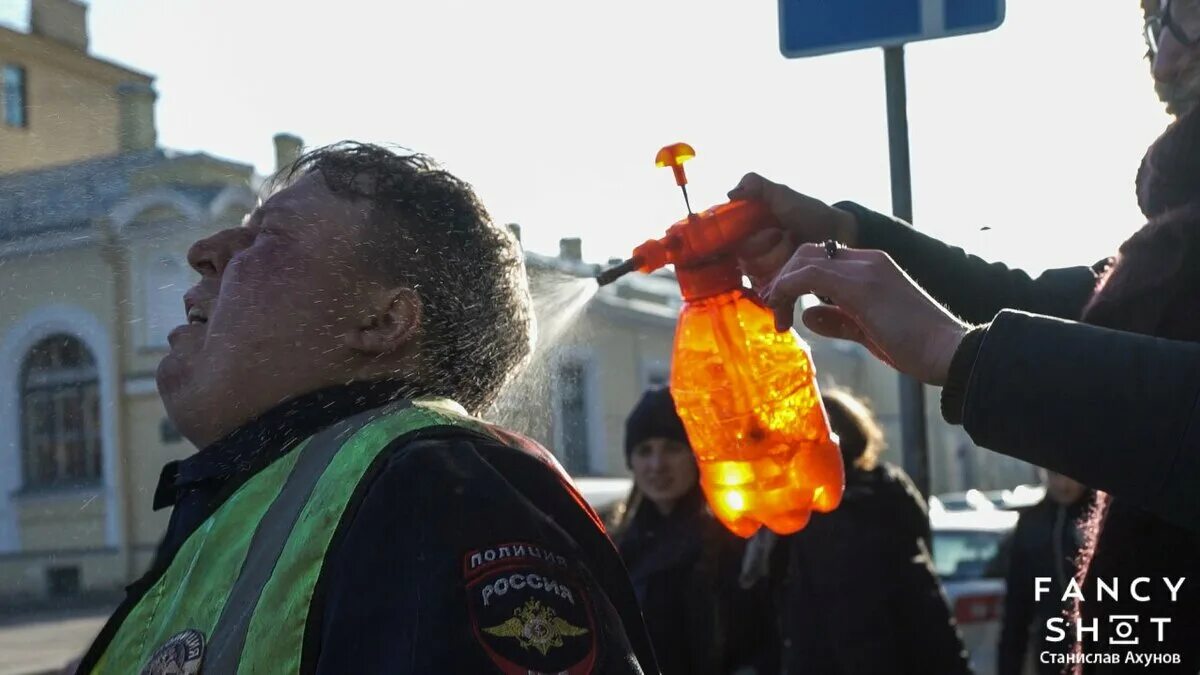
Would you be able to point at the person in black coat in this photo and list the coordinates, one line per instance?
(1044, 545)
(1112, 404)
(857, 590)
(683, 563)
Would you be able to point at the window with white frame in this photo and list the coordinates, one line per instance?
(16, 107)
(573, 416)
(167, 279)
(60, 415)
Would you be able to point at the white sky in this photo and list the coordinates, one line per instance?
(554, 109)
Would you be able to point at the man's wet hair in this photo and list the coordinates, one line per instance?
(429, 232)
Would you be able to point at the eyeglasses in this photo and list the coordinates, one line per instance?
(1181, 17)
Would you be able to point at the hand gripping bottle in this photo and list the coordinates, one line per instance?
(746, 393)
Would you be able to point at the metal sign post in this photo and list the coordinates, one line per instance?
(814, 27)
(914, 434)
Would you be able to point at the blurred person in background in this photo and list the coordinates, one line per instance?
(856, 588)
(1035, 387)
(683, 563)
(1044, 545)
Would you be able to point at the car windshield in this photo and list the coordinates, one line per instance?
(967, 554)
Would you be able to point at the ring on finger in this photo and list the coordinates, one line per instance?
(831, 248)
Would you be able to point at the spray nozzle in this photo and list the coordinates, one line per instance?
(698, 240)
(615, 272)
(700, 246)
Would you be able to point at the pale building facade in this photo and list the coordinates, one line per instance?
(95, 222)
(93, 269)
(595, 356)
(60, 104)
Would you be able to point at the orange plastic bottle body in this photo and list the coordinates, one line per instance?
(753, 413)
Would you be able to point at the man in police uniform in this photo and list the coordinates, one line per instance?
(346, 513)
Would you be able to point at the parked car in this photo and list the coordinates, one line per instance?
(1021, 497)
(1014, 499)
(969, 553)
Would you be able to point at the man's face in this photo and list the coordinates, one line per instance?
(1176, 64)
(267, 320)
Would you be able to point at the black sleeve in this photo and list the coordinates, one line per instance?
(954, 392)
(1116, 411)
(446, 568)
(1018, 605)
(912, 513)
(877, 591)
(751, 624)
(929, 636)
(969, 286)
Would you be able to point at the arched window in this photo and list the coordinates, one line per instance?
(60, 414)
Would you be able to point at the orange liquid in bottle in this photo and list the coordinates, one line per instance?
(748, 399)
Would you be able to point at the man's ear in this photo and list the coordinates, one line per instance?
(395, 315)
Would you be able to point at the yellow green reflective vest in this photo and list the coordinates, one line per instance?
(235, 598)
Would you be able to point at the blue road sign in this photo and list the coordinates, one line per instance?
(813, 27)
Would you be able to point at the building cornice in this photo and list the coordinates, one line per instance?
(60, 55)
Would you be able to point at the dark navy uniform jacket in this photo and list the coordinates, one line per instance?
(459, 554)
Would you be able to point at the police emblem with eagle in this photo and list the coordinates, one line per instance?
(530, 610)
(536, 626)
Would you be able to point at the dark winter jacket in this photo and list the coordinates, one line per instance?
(1154, 289)
(1016, 384)
(684, 568)
(391, 597)
(1045, 545)
(858, 591)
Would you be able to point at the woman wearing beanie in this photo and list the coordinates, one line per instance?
(683, 563)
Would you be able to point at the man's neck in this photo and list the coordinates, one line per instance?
(333, 401)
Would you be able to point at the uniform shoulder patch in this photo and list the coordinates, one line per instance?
(181, 654)
(529, 610)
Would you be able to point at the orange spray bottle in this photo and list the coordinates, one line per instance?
(746, 393)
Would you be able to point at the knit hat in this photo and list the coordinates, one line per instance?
(654, 416)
